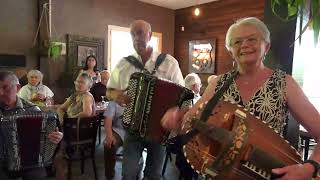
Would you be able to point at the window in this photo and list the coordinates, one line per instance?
(120, 44)
(306, 66)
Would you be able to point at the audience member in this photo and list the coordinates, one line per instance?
(114, 137)
(193, 82)
(99, 89)
(91, 69)
(35, 91)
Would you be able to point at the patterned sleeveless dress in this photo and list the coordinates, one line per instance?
(77, 103)
(268, 103)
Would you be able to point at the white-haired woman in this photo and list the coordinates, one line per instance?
(81, 102)
(35, 91)
(267, 93)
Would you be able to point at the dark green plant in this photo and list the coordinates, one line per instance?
(297, 8)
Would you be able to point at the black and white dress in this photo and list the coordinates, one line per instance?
(268, 103)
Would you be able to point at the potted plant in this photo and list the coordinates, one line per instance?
(299, 8)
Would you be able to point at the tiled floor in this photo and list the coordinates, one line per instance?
(171, 171)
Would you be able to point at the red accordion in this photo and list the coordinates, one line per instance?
(150, 98)
(26, 139)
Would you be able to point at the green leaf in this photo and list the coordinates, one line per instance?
(292, 10)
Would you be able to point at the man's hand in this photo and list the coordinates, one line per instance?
(173, 118)
(295, 172)
(122, 99)
(55, 137)
(109, 141)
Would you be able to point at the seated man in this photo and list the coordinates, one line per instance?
(11, 104)
(99, 89)
(193, 82)
(114, 137)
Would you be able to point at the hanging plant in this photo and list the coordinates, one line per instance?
(54, 50)
(297, 8)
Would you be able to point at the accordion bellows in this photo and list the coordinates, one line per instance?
(26, 139)
(150, 98)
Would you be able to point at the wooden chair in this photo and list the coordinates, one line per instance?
(80, 137)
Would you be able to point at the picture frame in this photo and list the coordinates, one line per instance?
(79, 47)
(202, 56)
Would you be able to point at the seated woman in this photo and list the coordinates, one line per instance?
(35, 91)
(90, 68)
(81, 102)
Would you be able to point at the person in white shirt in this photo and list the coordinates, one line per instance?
(35, 91)
(116, 87)
(193, 82)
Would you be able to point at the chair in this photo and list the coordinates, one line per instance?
(80, 137)
(307, 141)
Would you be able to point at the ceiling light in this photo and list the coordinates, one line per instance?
(196, 11)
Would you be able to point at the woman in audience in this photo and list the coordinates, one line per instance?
(91, 69)
(81, 102)
(35, 91)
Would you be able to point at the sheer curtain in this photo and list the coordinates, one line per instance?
(306, 66)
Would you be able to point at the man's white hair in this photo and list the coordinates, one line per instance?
(191, 79)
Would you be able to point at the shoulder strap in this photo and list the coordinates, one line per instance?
(159, 61)
(184, 139)
(135, 62)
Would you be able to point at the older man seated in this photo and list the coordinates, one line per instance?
(193, 82)
(99, 89)
(11, 104)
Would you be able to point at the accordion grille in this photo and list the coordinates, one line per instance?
(16, 155)
(133, 84)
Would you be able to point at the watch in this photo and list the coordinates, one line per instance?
(316, 166)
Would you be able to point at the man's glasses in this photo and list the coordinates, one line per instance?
(237, 42)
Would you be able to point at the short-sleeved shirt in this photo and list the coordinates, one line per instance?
(169, 69)
(115, 111)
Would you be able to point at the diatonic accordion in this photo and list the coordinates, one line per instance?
(150, 98)
(26, 139)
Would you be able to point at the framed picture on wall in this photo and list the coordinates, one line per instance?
(202, 56)
(84, 52)
(80, 47)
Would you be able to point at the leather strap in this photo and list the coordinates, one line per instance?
(136, 63)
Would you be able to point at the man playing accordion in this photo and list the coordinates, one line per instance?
(10, 104)
(118, 82)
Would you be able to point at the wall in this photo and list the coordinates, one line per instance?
(18, 22)
(92, 17)
(213, 23)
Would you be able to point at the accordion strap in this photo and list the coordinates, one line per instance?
(136, 63)
(181, 140)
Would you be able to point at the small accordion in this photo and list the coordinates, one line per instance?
(150, 98)
(26, 140)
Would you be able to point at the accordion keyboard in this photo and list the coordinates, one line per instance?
(255, 171)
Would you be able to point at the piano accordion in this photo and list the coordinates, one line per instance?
(26, 140)
(150, 98)
(234, 144)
